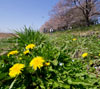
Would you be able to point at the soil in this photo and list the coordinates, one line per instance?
(6, 35)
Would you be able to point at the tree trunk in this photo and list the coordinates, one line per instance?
(87, 21)
(87, 14)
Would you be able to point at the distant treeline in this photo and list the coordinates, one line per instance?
(67, 14)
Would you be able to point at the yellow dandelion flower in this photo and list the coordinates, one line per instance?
(47, 63)
(16, 69)
(99, 54)
(26, 52)
(30, 46)
(74, 39)
(84, 55)
(12, 53)
(37, 62)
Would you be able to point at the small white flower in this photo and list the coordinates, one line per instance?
(72, 60)
(95, 67)
(60, 64)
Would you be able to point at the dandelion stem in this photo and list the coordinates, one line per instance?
(13, 83)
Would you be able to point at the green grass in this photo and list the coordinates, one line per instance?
(67, 70)
(88, 40)
(5, 45)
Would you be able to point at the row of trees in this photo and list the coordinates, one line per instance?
(71, 13)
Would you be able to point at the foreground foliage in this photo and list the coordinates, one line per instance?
(36, 62)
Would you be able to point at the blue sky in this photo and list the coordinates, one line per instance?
(14, 14)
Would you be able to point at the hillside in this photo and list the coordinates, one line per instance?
(59, 60)
(87, 40)
(6, 35)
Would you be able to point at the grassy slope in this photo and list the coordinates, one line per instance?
(5, 46)
(88, 40)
